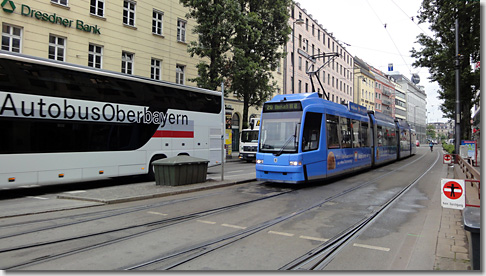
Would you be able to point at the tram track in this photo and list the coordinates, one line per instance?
(188, 253)
(326, 249)
(153, 225)
(320, 256)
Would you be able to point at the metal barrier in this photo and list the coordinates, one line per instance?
(472, 175)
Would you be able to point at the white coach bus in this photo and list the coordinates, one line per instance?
(64, 123)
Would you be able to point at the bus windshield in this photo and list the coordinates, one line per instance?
(280, 132)
(249, 136)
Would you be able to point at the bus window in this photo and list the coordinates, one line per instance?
(332, 131)
(345, 124)
(356, 139)
(312, 129)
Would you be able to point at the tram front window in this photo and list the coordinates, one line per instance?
(279, 132)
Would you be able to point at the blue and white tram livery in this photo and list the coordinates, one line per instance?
(305, 138)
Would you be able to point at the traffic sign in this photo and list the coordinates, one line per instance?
(447, 159)
(453, 193)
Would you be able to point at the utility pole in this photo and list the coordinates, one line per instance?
(458, 102)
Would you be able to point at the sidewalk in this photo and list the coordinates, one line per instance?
(454, 242)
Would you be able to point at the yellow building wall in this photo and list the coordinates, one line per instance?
(114, 36)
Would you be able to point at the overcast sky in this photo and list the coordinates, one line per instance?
(361, 23)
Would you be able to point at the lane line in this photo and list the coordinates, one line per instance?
(157, 213)
(37, 197)
(313, 238)
(372, 247)
(233, 226)
(75, 192)
(281, 233)
(206, 221)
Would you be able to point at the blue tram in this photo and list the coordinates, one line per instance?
(304, 138)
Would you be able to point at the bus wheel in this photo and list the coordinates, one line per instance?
(151, 172)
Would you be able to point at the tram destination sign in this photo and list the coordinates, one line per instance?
(282, 107)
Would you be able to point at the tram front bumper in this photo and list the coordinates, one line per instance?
(280, 174)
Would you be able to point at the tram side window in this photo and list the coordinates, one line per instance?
(391, 137)
(332, 131)
(312, 129)
(363, 133)
(379, 136)
(356, 135)
(345, 125)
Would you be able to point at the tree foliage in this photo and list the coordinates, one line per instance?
(438, 53)
(215, 29)
(243, 40)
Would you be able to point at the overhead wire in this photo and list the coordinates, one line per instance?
(389, 35)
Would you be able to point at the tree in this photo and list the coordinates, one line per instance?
(438, 53)
(215, 28)
(257, 49)
(243, 41)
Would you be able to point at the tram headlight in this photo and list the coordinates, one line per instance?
(295, 163)
(259, 161)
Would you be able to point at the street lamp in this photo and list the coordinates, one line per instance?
(299, 21)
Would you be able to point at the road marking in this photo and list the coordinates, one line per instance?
(206, 221)
(418, 236)
(313, 238)
(75, 192)
(233, 226)
(237, 171)
(156, 213)
(281, 233)
(37, 197)
(372, 247)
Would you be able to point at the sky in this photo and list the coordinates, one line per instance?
(361, 24)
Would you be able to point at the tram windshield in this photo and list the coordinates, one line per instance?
(279, 132)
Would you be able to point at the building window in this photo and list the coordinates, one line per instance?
(129, 13)
(181, 30)
(127, 63)
(155, 69)
(157, 19)
(60, 2)
(95, 56)
(180, 74)
(300, 63)
(11, 38)
(97, 7)
(57, 46)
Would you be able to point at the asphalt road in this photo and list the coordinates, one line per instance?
(250, 226)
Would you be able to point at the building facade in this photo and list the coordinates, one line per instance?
(364, 84)
(384, 93)
(308, 41)
(146, 38)
(416, 105)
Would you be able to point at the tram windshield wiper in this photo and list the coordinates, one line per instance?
(286, 143)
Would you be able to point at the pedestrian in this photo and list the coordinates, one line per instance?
(431, 145)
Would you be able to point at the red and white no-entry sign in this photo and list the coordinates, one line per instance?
(447, 159)
(453, 193)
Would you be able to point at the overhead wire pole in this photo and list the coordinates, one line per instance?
(223, 129)
(458, 102)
